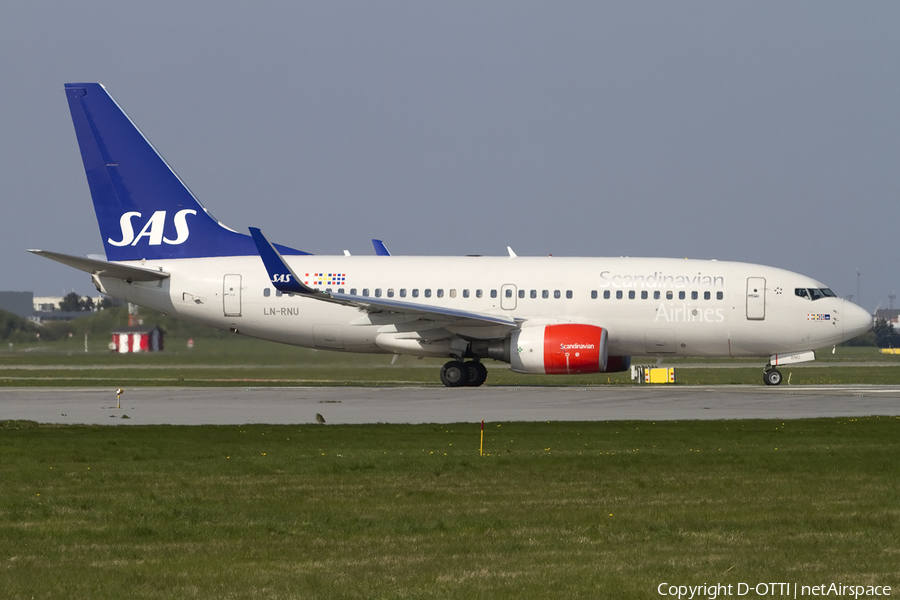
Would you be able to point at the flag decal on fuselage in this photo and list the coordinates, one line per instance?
(325, 278)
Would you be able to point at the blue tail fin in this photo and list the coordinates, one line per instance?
(143, 208)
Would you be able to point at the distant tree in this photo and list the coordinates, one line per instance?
(885, 334)
(71, 303)
(75, 303)
(105, 302)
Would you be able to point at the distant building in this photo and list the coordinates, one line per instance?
(46, 308)
(18, 303)
(137, 339)
(891, 315)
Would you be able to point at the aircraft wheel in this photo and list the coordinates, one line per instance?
(477, 373)
(772, 377)
(454, 374)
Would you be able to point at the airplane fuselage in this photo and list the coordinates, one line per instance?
(649, 306)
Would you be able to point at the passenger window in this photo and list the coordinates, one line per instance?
(440, 293)
(415, 292)
(278, 293)
(720, 295)
(569, 294)
(533, 293)
(606, 294)
(267, 292)
(403, 292)
(390, 293)
(694, 295)
(365, 292)
(631, 294)
(656, 295)
(508, 293)
(453, 293)
(556, 294)
(493, 293)
(478, 293)
(545, 294)
(681, 295)
(618, 294)
(706, 295)
(352, 291)
(428, 292)
(593, 294)
(669, 294)
(340, 290)
(378, 292)
(465, 293)
(643, 294)
(521, 293)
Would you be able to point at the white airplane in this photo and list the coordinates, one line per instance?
(544, 315)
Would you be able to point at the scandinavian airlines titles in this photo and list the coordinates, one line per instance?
(659, 280)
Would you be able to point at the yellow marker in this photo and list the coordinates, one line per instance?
(481, 447)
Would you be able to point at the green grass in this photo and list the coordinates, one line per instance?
(237, 361)
(555, 510)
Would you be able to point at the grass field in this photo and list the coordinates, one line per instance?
(239, 360)
(554, 510)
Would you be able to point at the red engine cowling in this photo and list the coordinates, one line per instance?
(567, 348)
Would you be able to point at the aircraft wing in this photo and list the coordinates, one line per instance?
(284, 279)
(104, 268)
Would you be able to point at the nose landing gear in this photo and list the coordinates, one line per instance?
(771, 375)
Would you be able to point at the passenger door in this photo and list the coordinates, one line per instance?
(756, 298)
(231, 295)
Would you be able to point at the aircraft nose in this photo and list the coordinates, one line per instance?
(857, 320)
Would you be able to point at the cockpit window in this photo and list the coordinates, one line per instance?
(814, 293)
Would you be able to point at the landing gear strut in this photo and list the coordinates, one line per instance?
(457, 374)
(771, 376)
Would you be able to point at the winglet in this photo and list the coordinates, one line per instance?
(380, 248)
(280, 274)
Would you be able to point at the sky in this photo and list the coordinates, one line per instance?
(763, 132)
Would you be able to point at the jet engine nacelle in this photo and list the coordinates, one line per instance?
(568, 348)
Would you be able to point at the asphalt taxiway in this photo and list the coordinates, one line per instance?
(337, 405)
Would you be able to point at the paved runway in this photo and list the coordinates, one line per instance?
(225, 406)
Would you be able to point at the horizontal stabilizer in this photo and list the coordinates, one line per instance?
(104, 268)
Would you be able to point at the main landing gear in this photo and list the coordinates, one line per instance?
(457, 373)
(771, 375)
